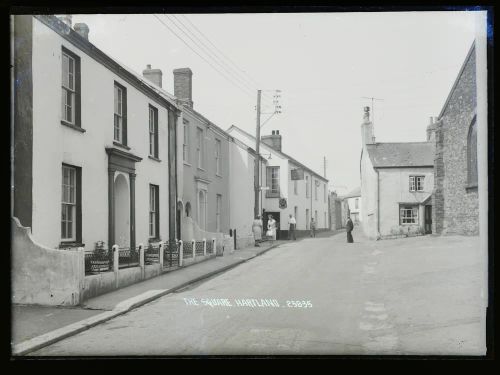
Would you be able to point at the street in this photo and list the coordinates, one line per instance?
(416, 296)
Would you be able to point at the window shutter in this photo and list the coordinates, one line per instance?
(78, 205)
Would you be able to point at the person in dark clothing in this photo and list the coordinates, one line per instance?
(349, 227)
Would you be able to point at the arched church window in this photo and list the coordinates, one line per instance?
(472, 154)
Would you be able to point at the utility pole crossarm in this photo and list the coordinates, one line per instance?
(373, 109)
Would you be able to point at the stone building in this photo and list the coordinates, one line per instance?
(335, 211)
(455, 198)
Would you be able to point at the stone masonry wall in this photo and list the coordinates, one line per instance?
(455, 206)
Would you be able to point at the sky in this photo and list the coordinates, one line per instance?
(323, 63)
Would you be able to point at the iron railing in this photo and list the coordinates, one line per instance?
(210, 247)
(97, 261)
(152, 254)
(128, 258)
(199, 248)
(187, 249)
(171, 254)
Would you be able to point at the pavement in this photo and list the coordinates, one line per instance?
(34, 326)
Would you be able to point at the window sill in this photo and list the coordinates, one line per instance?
(71, 244)
(218, 175)
(73, 126)
(471, 188)
(154, 158)
(186, 163)
(201, 169)
(154, 239)
(121, 145)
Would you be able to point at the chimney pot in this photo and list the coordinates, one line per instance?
(277, 131)
(273, 132)
(148, 66)
(82, 29)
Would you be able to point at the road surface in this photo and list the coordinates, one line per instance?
(318, 296)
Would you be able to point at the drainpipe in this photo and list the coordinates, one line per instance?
(378, 204)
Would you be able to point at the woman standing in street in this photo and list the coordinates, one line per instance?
(257, 230)
(271, 227)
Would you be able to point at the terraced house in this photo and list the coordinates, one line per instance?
(292, 187)
(94, 143)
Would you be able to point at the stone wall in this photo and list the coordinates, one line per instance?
(455, 205)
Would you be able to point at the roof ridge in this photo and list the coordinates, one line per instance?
(295, 161)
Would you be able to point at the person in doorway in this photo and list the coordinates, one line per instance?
(292, 224)
(313, 228)
(257, 230)
(349, 227)
(271, 228)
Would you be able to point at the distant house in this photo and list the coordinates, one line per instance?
(293, 188)
(335, 211)
(353, 205)
(397, 180)
(456, 203)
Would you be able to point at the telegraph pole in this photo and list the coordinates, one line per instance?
(324, 166)
(257, 158)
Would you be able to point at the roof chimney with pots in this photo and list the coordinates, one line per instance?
(273, 140)
(183, 86)
(153, 75)
(82, 29)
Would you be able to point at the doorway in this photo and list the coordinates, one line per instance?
(428, 220)
(122, 211)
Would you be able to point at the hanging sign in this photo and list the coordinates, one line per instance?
(283, 203)
(297, 174)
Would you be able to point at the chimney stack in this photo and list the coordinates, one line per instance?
(273, 140)
(66, 18)
(367, 136)
(82, 29)
(153, 75)
(183, 86)
(431, 129)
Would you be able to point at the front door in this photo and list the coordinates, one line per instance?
(428, 220)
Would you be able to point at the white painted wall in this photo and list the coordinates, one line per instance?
(369, 193)
(54, 144)
(394, 188)
(241, 190)
(287, 188)
(351, 202)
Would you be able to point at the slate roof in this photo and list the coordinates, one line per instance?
(407, 154)
(293, 160)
